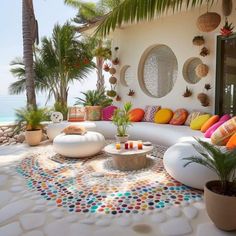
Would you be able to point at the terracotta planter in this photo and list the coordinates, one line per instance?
(34, 137)
(93, 113)
(220, 208)
(122, 139)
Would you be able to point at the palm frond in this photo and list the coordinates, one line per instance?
(134, 11)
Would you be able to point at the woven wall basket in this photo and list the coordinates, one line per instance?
(202, 70)
(208, 21)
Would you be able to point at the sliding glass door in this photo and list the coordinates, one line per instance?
(225, 99)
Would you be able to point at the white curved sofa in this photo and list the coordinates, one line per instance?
(179, 139)
(162, 134)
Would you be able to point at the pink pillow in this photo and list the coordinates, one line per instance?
(212, 129)
(107, 112)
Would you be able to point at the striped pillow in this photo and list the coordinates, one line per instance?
(76, 114)
(150, 112)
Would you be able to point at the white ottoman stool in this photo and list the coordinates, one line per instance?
(77, 146)
(55, 129)
(193, 175)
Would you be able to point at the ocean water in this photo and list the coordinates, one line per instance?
(9, 104)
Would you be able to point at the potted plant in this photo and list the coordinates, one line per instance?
(93, 102)
(122, 121)
(31, 118)
(220, 195)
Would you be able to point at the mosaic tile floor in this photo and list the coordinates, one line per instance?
(93, 186)
(25, 212)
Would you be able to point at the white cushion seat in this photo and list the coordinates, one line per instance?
(79, 146)
(193, 175)
(55, 129)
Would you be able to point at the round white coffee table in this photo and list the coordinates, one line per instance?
(128, 159)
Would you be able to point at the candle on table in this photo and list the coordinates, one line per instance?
(117, 146)
(140, 145)
(126, 145)
(131, 145)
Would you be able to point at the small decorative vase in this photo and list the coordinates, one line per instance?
(122, 139)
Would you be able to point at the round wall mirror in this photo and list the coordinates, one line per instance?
(189, 72)
(126, 75)
(158, 69)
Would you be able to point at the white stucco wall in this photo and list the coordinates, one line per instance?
(175, 31)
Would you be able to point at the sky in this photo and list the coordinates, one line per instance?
(48, 13)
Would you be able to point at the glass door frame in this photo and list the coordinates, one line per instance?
(219, 72)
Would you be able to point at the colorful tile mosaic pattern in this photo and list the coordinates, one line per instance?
(92, 186)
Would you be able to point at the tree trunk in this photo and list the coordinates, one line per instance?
(28, 40)
(100, 77)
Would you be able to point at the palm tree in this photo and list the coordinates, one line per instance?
(29, 29)
(130, 11)
(89, 12)
(59, 61)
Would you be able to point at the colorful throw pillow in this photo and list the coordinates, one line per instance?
(223, 132)
(107, 112)
(179, 117)
(231, 144)
(198, 122)
(192, 116)
(136, 115)
(150, 112)
(74, 129)
(163, 116)
(210, 122)
(76, 114)
(211, 130)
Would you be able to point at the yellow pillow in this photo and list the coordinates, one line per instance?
(198, 122)
(163, 116)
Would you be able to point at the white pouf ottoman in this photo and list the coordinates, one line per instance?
(77, 146)
(55, 129)
(193, 175)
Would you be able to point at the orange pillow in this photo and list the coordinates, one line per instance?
(209, 123)
(231, 144)
(136, 115)
(179, 117)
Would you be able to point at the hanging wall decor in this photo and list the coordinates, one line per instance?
(112, 70)
(118, 98)
(208, 21)
(112, 80)
(227, 6)
(204, 52)
(115, 60)
(202, 70)
(198, 40)
(204, 99)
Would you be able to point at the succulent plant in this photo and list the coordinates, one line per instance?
(227, 29)
(115, 61)
(111, 93)
(204, 52)
(131, 93)
(118, 98)
(187, 92)
(207, 86)
(106, 67)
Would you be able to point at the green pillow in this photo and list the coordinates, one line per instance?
(198, 122)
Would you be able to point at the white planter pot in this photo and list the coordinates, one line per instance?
(122, 139)
(33, 138)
